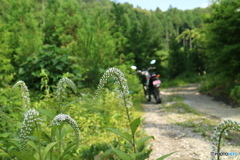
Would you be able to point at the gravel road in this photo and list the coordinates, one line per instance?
(187, 144)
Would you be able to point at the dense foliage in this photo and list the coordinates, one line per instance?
(222, 49)
(94, 36)
(44, 134)
(43, 41)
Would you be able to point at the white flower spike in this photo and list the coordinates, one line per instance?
(30, 118)
(66, 118)
(25, 93)
(121, 81)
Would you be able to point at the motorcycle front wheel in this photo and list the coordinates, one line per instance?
(156, 95)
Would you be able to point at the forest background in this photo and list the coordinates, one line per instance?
(84, 38)
(42, 41)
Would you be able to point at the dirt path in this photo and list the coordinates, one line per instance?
(202, 103)
(169, 137)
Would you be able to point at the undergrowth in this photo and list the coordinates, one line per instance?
(67, 124)
(222, 89)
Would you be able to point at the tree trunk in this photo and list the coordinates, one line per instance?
(167, 39)
(190, 42)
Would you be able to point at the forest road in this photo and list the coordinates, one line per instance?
(169, 137)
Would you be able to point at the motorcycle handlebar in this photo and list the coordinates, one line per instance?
(151, 68)
(143, 71)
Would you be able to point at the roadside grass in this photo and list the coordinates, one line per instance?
(202, 125)
(173, 83)
(174, 98)
(180, 81)
(180, 107)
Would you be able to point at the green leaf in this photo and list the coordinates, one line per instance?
(33, 138)
(135, 155)
(22, 155)
(63, 130)
(129, 136)
(21, 71)
(3, 154)
(12, 142)
(68, 104)
(47, 148)
(31, 144)
(142, 141)
(59, 67)
(54, 61)
(47, 112)
(116, 131)
(46, 137)
(107, 153)
(122, 155)
(4, 135)
(134, 125)
(165, 156)
(69, 147)
(38, 133)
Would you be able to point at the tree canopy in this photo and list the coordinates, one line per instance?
(96, 35)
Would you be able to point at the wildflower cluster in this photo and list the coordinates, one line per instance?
(66, 118)
(223, 128)
(30, 118)
(121, 81)
(25, 93)
(61, 87)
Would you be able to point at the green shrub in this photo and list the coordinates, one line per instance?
(235, 94)
(53, 60)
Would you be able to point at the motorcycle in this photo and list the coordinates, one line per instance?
(151, 83)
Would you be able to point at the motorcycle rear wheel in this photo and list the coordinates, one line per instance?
(147, 94)
(156, 95)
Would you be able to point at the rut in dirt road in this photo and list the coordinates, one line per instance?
(170, 137)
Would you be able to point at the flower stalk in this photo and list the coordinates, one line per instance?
(223, 127)
(66, 118)
(61, 90)
(123, 94)
(119, 80)
(25, 93)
